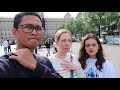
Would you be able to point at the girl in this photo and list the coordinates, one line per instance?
(92, 59)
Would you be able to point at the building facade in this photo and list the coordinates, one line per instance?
(50, 26)
(6, 25)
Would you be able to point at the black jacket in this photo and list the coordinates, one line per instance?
(12, 68)
(47, 44)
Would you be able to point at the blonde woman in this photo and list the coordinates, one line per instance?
(65, 63)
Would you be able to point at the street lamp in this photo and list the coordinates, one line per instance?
(74, 27)
(100, 32)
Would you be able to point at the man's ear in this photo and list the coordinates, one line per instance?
(13, 32)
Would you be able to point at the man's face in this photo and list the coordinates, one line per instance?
(28, 39)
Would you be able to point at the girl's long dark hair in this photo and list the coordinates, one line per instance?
(83, 56)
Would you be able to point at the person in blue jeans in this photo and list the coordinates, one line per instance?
(5, 45)
(47, 44)
(9, 46)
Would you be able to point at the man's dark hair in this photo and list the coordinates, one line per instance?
(18, 17)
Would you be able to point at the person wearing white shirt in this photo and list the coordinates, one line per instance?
(5, 45)
(92, 59)
(65, 63)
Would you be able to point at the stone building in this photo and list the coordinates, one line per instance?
(51, 25)
(6, 25)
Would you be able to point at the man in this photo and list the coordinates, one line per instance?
(47, 44)
(23, 63)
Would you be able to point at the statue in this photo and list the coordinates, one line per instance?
(43, 23)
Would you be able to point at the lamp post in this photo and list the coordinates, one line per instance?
(100, 32)
(74, 28)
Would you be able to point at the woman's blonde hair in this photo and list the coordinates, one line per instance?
(60, 32)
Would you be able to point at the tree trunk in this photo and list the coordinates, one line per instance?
(99, 32)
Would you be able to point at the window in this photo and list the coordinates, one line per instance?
(9, 33)
(1, 34)
(5, 33)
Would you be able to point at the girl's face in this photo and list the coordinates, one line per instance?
(91, 47)
(64, 43)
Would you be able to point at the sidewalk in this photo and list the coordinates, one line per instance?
(43, 52)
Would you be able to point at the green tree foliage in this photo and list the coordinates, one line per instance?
(111, 19)
(92, 21)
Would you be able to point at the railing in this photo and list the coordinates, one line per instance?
(113, 40)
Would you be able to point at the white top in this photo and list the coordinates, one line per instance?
(5, 43)
(66, 73)
(91, 71)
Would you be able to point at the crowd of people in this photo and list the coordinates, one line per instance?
(24, 63)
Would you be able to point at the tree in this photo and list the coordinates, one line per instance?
(112, 21)
(97, 20)
(62, 25)
(68, 25)
(80, 25)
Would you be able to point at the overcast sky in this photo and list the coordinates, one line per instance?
(46, 14)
